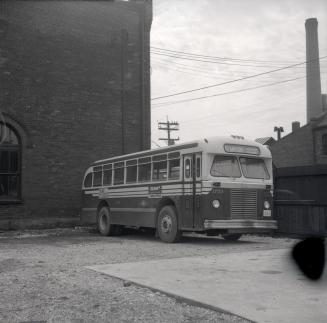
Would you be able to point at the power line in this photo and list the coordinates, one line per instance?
(180, 54)
(235, 80)
(210, 61)
(243, 110)
(225, 93)
(218, 57)
(183, 68)
(155, 143)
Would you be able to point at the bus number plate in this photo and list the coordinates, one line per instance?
(217, 191)
(266, 212)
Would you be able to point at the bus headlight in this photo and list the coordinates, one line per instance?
(215, 204)
(266, 205)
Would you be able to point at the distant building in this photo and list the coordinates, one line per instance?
(268, 141)
(75, 87)
(304, 146)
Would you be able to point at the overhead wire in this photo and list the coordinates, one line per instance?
(235, 80)
(159, 49)
(225, 93)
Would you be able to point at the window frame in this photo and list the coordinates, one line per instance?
(255, 158)
(114, 172)
(228, 156)
(97, 170)
(107, 167)
(131, 163)
(4, 146)
(144, 161)
(157, 159)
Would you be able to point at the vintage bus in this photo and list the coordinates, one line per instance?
(220, 185)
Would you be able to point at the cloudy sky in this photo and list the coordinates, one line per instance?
(242, 38)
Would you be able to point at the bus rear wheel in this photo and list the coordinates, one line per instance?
(232, 236)
(167, 225)
(103, 223)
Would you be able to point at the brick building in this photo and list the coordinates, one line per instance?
(75, 87)
(304, 146)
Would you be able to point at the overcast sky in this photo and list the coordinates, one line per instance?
(269, 33)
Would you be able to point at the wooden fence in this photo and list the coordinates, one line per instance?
(301, 218)
(300, 205)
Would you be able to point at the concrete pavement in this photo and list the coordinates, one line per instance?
(263, 286)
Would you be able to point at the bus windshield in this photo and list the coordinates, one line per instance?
(254, 168)
(225, 166)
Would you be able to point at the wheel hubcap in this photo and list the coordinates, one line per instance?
(166, 224)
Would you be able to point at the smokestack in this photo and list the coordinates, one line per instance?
(314, 102)
(295, 125)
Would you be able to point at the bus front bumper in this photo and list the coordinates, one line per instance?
(240, 224)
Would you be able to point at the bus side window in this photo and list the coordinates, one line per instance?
(119, 171)
(198, 167)
(174, 168)
(188, 168)
(88, 180)
(97, 178)
(159, 170)
(131, 171)
(144, 169)
(107, 177)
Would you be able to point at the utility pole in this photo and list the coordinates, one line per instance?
(169, 126)
(279, 130)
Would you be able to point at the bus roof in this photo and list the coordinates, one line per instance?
(209, 145)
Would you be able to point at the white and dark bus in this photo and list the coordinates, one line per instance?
(220, 185)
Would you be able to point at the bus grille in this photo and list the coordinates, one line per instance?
(243, 204)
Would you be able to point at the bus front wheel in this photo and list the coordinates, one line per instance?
(232, 236)
(167, 225)
(103, 223)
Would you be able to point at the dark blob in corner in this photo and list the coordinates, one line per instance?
(309, 254)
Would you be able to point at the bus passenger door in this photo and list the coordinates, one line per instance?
(188, 191)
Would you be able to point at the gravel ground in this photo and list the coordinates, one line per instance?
(43, 278)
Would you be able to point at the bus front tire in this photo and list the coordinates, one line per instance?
(232, 236)
(167, 226)
(103, 223)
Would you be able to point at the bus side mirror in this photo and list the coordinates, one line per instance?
(309, 255)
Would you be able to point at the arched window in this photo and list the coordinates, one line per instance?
(10, 161)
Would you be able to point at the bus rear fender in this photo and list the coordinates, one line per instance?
(101, 204)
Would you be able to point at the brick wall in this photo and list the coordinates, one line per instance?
(295, 149)
(71, 76)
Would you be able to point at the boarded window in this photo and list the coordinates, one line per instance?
(174, 169)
